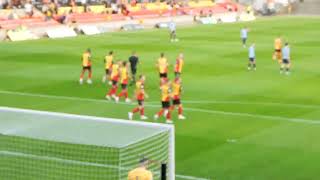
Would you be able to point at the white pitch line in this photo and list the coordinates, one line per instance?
(81, 163)
(190, 177)
(249, 103)
(279, 118)
(299, 120)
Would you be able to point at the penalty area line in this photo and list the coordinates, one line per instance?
(268, 117)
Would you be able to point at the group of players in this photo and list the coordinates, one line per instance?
(281, 53)
(117, 72)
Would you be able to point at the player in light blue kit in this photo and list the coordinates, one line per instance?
(286, 60)
(244, 36)
(252, 58)
(173, 31)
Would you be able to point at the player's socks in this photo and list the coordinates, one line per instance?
(254, 67)
(81, 81)
(287, 71)
(166, 112)
(130, 115)
(104, 78)
(89, 81)
(168, 116)
(180, 110)
(281, 70)
(90, 75)
(160, 112)
(142, 111)
(135, 110)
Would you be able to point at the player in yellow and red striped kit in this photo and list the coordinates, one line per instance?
(115, 75)
(86, 66)
(179, 65)
(140, 96)
(108, 61)
(176, 95)
(124, 79)
(165, 101)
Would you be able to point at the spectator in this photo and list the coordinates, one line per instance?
(28, 8)
(114, 8)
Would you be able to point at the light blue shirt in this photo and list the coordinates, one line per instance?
(252, 53)
(172, 26)
(286, 52)
(244, 33)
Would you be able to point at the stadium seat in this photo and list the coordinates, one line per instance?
(33, 22)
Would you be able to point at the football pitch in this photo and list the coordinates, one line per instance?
(240, 124)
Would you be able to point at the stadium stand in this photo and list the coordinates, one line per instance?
(104, 17)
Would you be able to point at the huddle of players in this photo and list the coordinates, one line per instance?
(170, 91)
(281, 54)
(118, 72)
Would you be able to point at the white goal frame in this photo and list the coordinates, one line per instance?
(170, 128)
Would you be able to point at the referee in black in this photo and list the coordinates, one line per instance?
(134, 61)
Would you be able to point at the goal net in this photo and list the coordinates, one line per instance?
(45, 145)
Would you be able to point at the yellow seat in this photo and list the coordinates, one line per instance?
(201, 4)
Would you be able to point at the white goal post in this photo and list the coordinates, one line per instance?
(54, 145)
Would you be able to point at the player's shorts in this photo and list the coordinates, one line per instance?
(107, 71)
(176, 102)
(114, 82)
(141, 102)
(165, 104)
(173, 32)
(244, 40)
(124, 86)
(277, 50)
(285, 61)
(252, 59)
(163, 75)
(177, 74)
(134, 71)
(86, 68)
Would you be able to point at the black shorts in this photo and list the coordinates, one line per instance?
(252, 59)
(140, 102)
(163, 75)
(244, 40)
(107, 72)
(285, 61)
(165, 104)
(124, 86)
(114, 83)
(277, 50)
(86, 68)
(133, 71)
(176, 102)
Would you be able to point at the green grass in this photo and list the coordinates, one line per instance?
(256, 109)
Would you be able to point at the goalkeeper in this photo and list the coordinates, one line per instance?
(141, 172)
